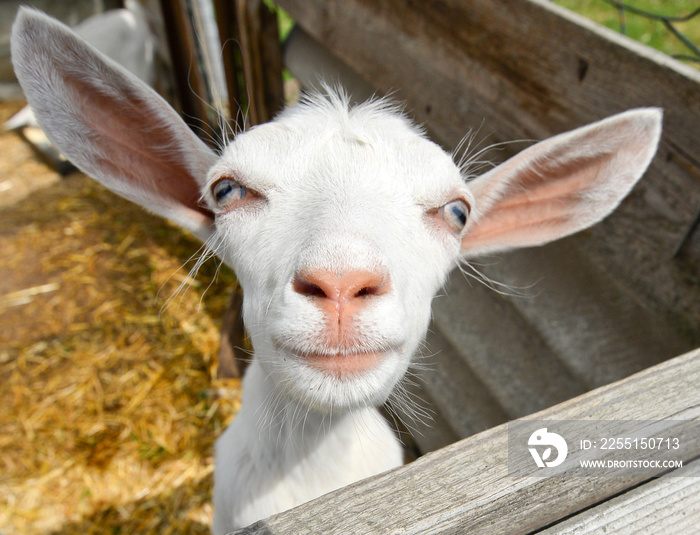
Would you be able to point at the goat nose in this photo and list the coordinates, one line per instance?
(341, 288)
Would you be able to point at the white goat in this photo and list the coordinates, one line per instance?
(341, 225)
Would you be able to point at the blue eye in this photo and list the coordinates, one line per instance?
(226, 191)
(455, 214)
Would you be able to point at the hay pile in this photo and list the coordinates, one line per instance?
(109, 406)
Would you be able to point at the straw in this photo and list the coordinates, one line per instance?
(109, 405)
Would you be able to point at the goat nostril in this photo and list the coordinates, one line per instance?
(308, 289)
(375, 285)
(367, 291)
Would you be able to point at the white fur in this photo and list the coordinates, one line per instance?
(276, 455)
(336, 196)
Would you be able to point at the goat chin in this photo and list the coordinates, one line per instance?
(341, 224)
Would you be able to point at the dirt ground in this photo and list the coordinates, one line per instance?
(109, 406)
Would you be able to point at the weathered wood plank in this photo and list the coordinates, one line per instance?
(459, 396)
(190, 85)
(498, 358)
(508, 356)
(665, 505)
(261, 59)
(465, 488)
(312, 64)
(525, 69)
(598, 328)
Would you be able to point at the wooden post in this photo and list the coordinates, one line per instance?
(227, 24)
(190, 87)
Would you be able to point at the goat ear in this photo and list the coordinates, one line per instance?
(561, 185)
(109, 123)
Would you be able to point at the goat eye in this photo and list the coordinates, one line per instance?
(227, 191)
(455, 214)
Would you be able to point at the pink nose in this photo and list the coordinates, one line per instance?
(341, 290)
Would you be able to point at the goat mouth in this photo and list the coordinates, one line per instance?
(342, 364)
(338, 362)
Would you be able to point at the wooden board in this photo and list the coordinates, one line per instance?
(665, 505)
(524, 70)
(465, 487)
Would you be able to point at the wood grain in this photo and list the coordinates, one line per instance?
(666, 505)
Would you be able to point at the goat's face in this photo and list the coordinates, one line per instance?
(334, 222)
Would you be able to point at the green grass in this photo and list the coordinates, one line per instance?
(284, 21)
(650, 32)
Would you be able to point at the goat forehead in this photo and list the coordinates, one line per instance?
(333, 156)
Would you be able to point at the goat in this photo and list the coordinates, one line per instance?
(341, 223)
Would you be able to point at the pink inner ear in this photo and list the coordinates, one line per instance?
(136, 146)
(533, 189)
(552, 178)
(537, 206)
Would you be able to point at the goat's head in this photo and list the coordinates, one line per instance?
(341, 223)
